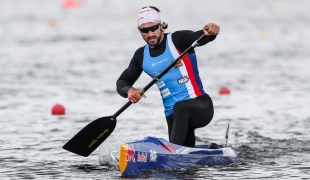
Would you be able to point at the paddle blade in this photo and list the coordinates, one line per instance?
(91, 136)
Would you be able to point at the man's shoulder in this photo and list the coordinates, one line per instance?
(140, 50)
(181, 33)
(138, 55)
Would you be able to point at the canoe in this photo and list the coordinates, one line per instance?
(153, 153)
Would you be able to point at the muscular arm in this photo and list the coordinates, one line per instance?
(131, 74)
(183, 39)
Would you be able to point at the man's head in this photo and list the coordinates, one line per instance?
(150, 26)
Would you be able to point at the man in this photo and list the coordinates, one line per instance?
(187, 106)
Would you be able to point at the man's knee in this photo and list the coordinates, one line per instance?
(179, 107)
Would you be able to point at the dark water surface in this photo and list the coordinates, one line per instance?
(49, 55)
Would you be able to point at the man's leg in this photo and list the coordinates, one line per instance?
(169, 120)
(189, 115)
(190, 139)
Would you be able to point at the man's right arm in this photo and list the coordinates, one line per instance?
(131, 74)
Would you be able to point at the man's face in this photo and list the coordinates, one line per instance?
(151, 33)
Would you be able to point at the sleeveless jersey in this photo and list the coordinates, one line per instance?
(181, 82)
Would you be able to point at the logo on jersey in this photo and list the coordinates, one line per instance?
(154, 64)
(153, 74)
(178, 64)
(183, 79)
(160, 84)
(165, 92)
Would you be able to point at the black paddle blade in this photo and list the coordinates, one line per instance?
(91, 136)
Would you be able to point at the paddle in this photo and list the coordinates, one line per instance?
(92, 135)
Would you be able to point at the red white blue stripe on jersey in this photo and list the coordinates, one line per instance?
(189, 69)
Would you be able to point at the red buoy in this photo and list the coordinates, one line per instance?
(224, 91)
(69, 4)
(58, 109)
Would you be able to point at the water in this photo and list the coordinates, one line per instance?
(51, 55)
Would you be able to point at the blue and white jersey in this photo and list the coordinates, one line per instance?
(181, 82)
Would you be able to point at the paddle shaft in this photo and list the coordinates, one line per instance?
(150, 84)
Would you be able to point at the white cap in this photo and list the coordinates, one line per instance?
(147, 15)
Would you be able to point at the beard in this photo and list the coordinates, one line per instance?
(153, 40)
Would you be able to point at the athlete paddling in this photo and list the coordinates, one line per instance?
(187, 105)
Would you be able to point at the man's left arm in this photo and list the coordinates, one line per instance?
(183, 39)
